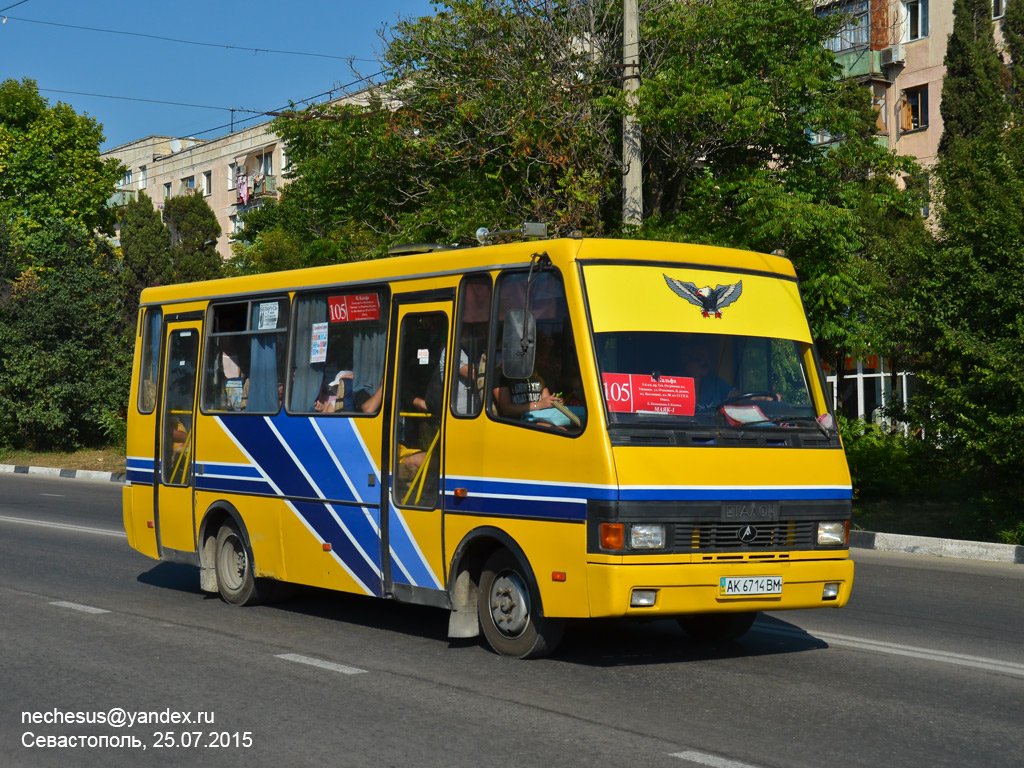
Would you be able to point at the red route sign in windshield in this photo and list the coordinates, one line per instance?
(634, 393)
(355, 306)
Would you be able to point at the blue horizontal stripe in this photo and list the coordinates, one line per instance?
(519, 507)
(505, 487)
(231, 485)
(734, 494)
(230, 470)
(139, 477)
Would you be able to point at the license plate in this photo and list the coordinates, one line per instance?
(742, 586)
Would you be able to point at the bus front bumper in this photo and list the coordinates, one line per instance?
(698, 588)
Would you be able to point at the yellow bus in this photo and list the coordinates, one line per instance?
(520, 434)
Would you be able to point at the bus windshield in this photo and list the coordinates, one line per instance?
(678, 380)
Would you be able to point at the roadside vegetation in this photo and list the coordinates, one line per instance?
(500, 111)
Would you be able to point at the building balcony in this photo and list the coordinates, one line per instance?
(258, 185)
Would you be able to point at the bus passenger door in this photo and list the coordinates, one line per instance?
(176, 440)
(411, 531)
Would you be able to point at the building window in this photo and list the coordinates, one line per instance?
(267, 164)
(855, 32)
(232, 173)
(917, 19)
(167, 191)
(998, 8)
(188, 184)
(143, 177)
(235, 225)
(914, 109)
(207, 183)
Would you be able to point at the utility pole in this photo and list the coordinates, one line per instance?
(632, 161)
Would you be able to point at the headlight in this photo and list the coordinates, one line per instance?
(832, 534)
(647, 537)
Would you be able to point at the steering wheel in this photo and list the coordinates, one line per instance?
(747, 396)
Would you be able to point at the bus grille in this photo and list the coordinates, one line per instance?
(740, 537)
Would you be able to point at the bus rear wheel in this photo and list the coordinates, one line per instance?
(509, 611)
(236, 579)
(717, 627)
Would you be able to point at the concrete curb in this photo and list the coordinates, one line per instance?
(883, 542)
(70, 474)
(922, 545)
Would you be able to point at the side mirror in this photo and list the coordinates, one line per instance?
(519, 344)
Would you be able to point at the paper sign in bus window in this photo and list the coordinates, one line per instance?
(318, 348)
(268, 315)
(635, 393)
(353, 307)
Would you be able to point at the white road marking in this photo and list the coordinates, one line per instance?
(865, 644)
(702, 758)
(328, 665)
(78, 607)
(64, 526)
(53, 495)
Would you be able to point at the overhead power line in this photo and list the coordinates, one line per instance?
(15, 5)
(187, 42)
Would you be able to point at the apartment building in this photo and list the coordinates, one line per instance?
(896, 48)
(235, 173)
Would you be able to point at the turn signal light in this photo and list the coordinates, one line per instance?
(613, 535)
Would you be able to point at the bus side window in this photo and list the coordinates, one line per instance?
(552, 398)
(245, 354)
(467, 395)
(150, 367)
(338, 352)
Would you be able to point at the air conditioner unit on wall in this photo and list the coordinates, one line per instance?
(893, 55)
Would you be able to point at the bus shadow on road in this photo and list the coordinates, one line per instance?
(618, 643)
(593, 642)
(176, 576)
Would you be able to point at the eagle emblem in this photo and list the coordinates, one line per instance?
(710, 300)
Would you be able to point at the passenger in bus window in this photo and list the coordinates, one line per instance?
(525, 399)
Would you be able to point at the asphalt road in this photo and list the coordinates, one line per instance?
(924, 667)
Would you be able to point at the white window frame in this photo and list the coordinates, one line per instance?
(167, 191)
(143, 177)
(917, 28)
(232, 175)
(207, 183)
(998, 9)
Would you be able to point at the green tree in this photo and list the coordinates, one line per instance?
(145, 253)
(1013, 35)
(491, 118)
(50, 167)
(974, 88)
(63, 370)
(972, 323)
(194, 230)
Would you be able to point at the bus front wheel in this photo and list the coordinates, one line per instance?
(509, 610)
(236, 580)
(717, 627)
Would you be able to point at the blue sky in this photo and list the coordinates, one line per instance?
(68, 58)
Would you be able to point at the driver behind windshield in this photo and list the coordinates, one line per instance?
(699, 364)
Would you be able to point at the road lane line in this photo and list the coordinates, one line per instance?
(64, 526)
(703, 758)
(319, 663)
(78, 607)
(895, 649)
